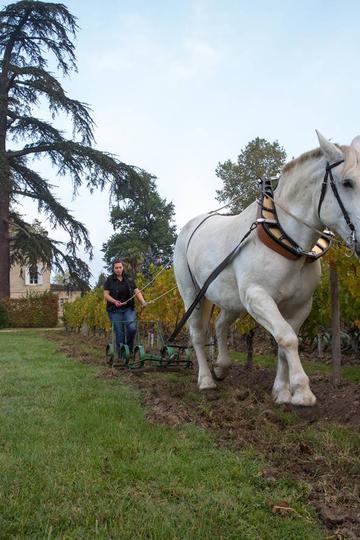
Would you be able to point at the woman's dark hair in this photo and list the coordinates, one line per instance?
(124, 274)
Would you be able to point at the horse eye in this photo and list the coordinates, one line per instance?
(348, 183)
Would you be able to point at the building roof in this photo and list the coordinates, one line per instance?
(59, 287)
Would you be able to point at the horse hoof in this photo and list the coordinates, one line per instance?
(282, 397)
(304, 398)
(207, 383)
(220, 372)
(211, 394)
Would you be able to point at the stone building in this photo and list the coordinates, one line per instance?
(36, 279)
(25, 280)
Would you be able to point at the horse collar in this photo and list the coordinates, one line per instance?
(272, 234)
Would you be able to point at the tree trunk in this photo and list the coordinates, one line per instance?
(249, 340)
(335, 327)
(4, 222)
(4, 247)
(5, 187)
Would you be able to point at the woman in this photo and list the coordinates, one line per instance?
(119, 293)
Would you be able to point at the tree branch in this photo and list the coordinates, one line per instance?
(30, 150)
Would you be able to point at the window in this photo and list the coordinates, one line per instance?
(33, 275)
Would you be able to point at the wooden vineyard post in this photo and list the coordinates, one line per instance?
(249, 340)
(335, 327)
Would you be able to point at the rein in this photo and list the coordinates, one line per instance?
(228, 259)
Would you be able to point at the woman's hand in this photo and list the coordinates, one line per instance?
(118, 304)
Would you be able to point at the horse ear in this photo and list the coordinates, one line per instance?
(356, 143)
(330, 150)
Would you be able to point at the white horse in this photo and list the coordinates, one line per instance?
(276, 291)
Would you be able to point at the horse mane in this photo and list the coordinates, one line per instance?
(351, 157)
(307, 156)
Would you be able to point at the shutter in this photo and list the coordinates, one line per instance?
(27, 276)
(40, 270)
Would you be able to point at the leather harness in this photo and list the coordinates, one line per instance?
(271, 233)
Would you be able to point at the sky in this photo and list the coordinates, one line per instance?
(176, 87)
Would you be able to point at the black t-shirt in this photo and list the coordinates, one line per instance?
(119, 290)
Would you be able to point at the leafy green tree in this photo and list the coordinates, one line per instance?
(143, 224)
(101, 280)
(259, 158)
(70, 283)
(61, 278)
(29, 32)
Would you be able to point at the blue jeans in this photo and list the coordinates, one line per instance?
(124, 324)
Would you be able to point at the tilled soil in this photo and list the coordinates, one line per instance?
(241, 414)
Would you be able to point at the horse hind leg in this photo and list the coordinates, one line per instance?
(198, 326)
(265, 311)
(223, 362)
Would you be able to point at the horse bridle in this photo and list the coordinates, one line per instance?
(328, 174)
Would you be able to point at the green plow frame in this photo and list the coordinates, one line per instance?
(155, 354)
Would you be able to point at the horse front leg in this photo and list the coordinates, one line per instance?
(265, 311)
(223, 362)
(281, 389)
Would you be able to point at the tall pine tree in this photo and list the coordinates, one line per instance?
(30, 31)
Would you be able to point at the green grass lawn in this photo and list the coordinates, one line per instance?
(79, 460)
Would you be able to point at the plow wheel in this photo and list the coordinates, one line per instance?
(169, 355)
(109, 354)
(188, 358)
(139, 358)
(123, 356)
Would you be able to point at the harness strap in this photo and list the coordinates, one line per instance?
(207, 283)
(351, 239)
(325, 183)
(337, 197)
(187, 247)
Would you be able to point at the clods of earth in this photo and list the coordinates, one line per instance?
(241, 414)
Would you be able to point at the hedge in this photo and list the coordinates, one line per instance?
(4, 317)
(32, 311)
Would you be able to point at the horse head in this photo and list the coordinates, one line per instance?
(339, 205)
